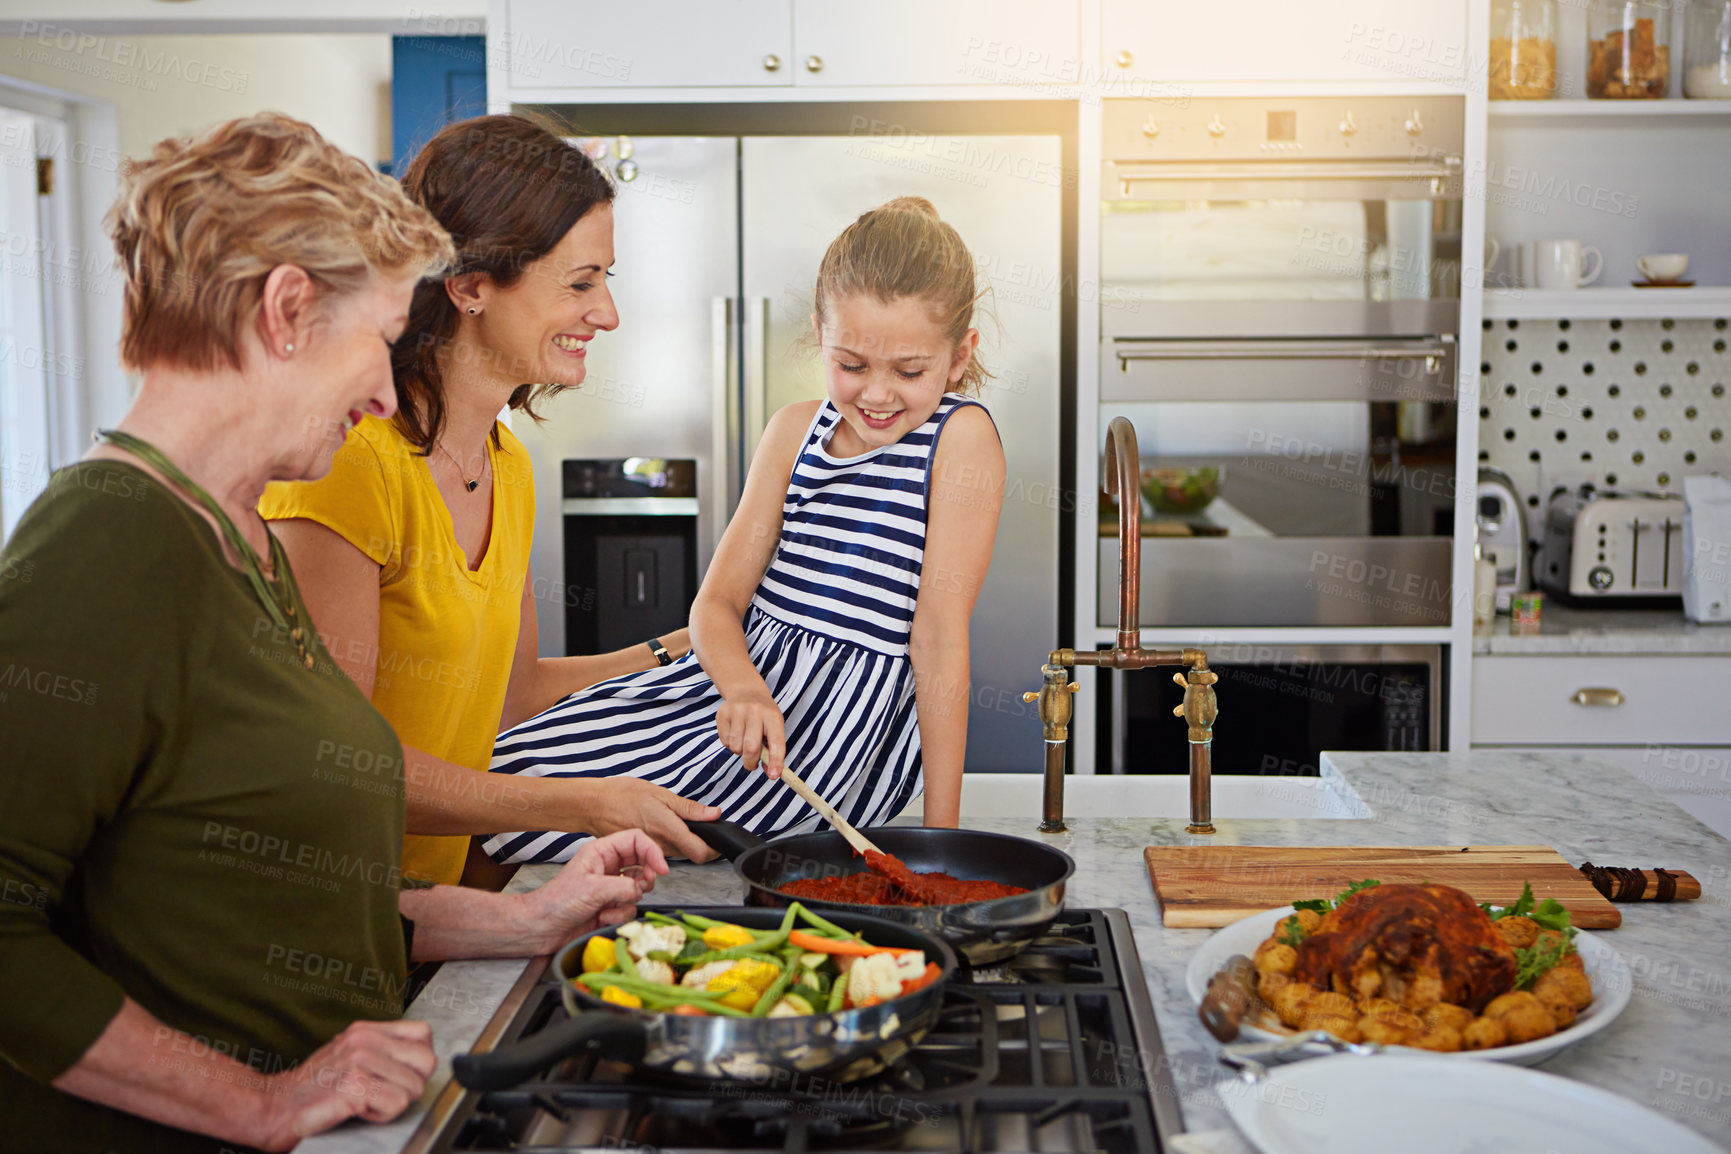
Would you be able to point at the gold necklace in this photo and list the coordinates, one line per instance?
(467, 484)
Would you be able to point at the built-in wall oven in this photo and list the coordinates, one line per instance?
(1282, 706)
(1280, 304)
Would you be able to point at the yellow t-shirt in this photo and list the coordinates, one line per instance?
(447, 634)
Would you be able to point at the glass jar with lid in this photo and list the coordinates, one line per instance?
(1628, 49)
(1707, 50)
(1523, 51)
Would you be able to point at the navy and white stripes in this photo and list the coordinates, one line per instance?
(828, 630)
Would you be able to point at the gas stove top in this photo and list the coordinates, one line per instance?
(1050, 1051)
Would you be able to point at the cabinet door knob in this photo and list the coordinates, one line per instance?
(814, 64)
(772, 63)
(1348, 126)
(1126, 60)
(1598, 696)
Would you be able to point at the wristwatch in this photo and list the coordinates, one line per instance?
(660, 651)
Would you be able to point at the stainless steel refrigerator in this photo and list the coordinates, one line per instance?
(718, 241)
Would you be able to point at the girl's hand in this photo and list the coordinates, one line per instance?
(599, 886)
(751, 726)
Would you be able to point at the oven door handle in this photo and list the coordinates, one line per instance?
(1431, 354)
(1207, 171)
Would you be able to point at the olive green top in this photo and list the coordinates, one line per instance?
(188, 815)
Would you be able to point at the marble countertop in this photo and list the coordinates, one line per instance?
(1569, 629)
(1673, 1039)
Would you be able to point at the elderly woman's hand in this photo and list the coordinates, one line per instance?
(372, 1071)
(600, 885)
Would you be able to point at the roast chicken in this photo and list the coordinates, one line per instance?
(1415, 946)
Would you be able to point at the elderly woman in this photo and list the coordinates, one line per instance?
(414, 550)
(205, 934)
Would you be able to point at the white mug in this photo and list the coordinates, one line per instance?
(1664, 266)
(1526, 264)
(1559, 264)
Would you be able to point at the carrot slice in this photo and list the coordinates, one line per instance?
(821, 945)
(933, 970)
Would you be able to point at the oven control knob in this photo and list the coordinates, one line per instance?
(1599, 578)
(1216, 129)
(1348, 126)
(1151, 129)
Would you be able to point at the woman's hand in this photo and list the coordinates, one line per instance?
(607, 805)
(599, 886)
(372, 1071)
(751, 725)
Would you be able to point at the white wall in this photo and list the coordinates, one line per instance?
(167, 85)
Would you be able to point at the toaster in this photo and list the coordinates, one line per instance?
(1605, 546)
(1502, 521)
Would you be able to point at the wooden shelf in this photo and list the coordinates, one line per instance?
(1620, 113)
(1597, 303)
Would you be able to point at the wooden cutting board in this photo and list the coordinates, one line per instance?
(1206, 886)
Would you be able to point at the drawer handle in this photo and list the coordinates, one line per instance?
(1598, 696)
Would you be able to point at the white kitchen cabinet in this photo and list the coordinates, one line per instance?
(1601, 700)
(1254, 41)
(1031, 43)
(648, 43)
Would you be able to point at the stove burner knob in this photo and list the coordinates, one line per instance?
(1599, 578)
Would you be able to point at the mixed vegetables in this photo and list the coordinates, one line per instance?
(706, 968)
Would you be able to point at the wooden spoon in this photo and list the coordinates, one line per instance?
(876, 859)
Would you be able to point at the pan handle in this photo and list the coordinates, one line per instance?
(510, 1066)
(727, 838)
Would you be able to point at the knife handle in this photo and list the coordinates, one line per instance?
(1228, 998)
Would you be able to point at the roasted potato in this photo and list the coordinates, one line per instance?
(1484, 1034)
(1444, 1016)
(1443, 1039)
(1522, 1015)
(1308, 920)
(1341, 1026)
(1568, 981)
(1518, 932)
(1273, 957)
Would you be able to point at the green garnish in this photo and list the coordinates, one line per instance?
(1291, 932)
(1549, 914)
(1535, 961)
(1315, 905)
(1340, 898)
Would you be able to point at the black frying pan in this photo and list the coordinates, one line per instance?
(983, 932)
(840, 1047)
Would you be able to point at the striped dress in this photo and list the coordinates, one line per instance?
(828, 629)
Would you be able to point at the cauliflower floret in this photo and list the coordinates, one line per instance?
(651, 970)
(877, 976)
(668, 938)
(699, 977)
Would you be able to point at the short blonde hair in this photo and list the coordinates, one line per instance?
(203, 220)
(904, 249)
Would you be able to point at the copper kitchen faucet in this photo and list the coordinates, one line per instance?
(1123, 463)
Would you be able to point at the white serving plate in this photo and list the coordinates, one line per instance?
(1427, 1104)
(1606, 970)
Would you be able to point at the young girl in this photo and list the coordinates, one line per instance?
(831, 631)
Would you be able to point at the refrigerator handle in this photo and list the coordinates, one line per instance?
(726, 477)
(756, 399)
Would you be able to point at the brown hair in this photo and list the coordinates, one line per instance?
(903, 249)
(508, 189)
(202, 221)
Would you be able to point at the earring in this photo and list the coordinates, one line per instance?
(473, 310)
(288, 348)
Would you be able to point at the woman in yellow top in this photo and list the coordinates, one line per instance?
(413, 553)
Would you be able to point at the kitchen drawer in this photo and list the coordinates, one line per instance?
(1662, 700)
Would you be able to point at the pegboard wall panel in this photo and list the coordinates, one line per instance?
(1628, 405)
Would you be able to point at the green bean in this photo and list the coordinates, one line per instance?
(787, 919)
(663, 956)
(685, 998)
(829, 928)
(663, 920)
(701, 923)
(622, 955)
(762, 950)
(776, 989)
(837, 992)
(604, 978)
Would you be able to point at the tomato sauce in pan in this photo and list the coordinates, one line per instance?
(873, 888)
